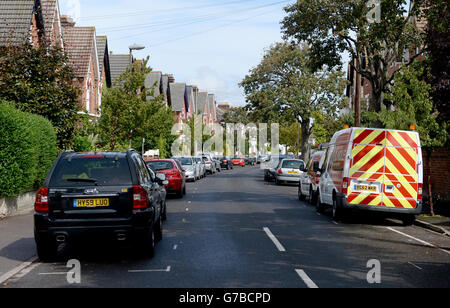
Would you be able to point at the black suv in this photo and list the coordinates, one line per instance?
(86, 195)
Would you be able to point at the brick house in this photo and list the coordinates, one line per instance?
(178, 101)
(20, 22)
(52, 23)
(80, 45)
(212, 109)
(104, 67)
(203, 106)
(118, 65)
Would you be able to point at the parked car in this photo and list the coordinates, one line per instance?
(289, 171)
(271, 165)
(377, 170)
(174, 173)
(201, 165)
(191, 169)
(309, 179)
(90, 195)
(238, 161)
(161, 179)
(225, 162)
(210, 164)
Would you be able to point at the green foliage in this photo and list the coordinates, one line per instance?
(282, 88)
(289, 135)
(27, 150)
(37, 80)
(82, 144)
(334, 27)
(411, 99)
(127, 114)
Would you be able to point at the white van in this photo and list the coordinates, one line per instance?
(373, 170)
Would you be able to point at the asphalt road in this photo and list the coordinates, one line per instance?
(234, 230)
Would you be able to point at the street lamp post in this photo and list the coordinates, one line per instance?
(134, 47)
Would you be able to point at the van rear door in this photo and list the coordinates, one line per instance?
(401, 178)
(366, 173)
(384, 169)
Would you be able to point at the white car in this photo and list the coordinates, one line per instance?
(190, 167)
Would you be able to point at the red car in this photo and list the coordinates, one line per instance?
(238, 161)
(174, 174)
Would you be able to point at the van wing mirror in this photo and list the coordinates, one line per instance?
(316, 166)
(161, 177)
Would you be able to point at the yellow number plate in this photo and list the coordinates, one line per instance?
(91, 203)
(292, 172)
(366, 188)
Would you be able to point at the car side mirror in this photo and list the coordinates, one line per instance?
(161, 177)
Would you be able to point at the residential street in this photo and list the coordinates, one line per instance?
(235, 230)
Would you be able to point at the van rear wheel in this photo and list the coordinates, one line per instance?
(408, 220)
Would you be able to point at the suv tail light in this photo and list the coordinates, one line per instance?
(208, 163)
(344, 185)
(280, 171)
(420, 192)
(41, 204)
(140, 198)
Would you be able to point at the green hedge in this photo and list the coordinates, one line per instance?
(28, 147)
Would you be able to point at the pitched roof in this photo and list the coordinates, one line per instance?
(191, 98)
(101, 51)
(153, 79)
(177, 96)
(15, 21)
(211, 103)
(49, 14)
(202, 101)
(79, 44)
(119, 65)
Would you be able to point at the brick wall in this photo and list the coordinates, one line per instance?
(439, 162)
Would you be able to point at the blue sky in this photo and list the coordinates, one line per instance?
(210, 43)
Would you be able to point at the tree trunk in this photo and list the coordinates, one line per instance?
(306, 134)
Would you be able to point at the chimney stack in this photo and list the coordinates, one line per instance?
(67, 21)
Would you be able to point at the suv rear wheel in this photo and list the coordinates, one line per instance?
(46, 249)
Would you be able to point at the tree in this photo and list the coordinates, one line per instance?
(284, 86)
(332, 28)
(437, 43)
(37, 80)
(413, 105)
(127, 115)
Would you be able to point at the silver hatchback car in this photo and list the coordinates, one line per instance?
(289, 171)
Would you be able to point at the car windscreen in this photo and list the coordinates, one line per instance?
(160, 165)
(83, 171)
(292, 164)
(185, 161)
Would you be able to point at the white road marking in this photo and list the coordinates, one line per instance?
(318, 214)
(274, 239)
(418, 240)
(17, 269)
(309, 283)
(416, 266)
(335, 222)
(187, 209)
(55, 273)
(175, 247)
(153, 270)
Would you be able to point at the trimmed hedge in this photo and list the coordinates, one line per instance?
(28, 147)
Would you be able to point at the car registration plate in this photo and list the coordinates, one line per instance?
(87, 203)
(366, 188)
(292, 172)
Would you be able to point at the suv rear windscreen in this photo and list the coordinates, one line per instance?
(160, 165)
(82, 171)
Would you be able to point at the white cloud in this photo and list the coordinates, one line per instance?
(72, 8)
(209, 80)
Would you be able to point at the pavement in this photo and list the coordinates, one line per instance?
(238, 231)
